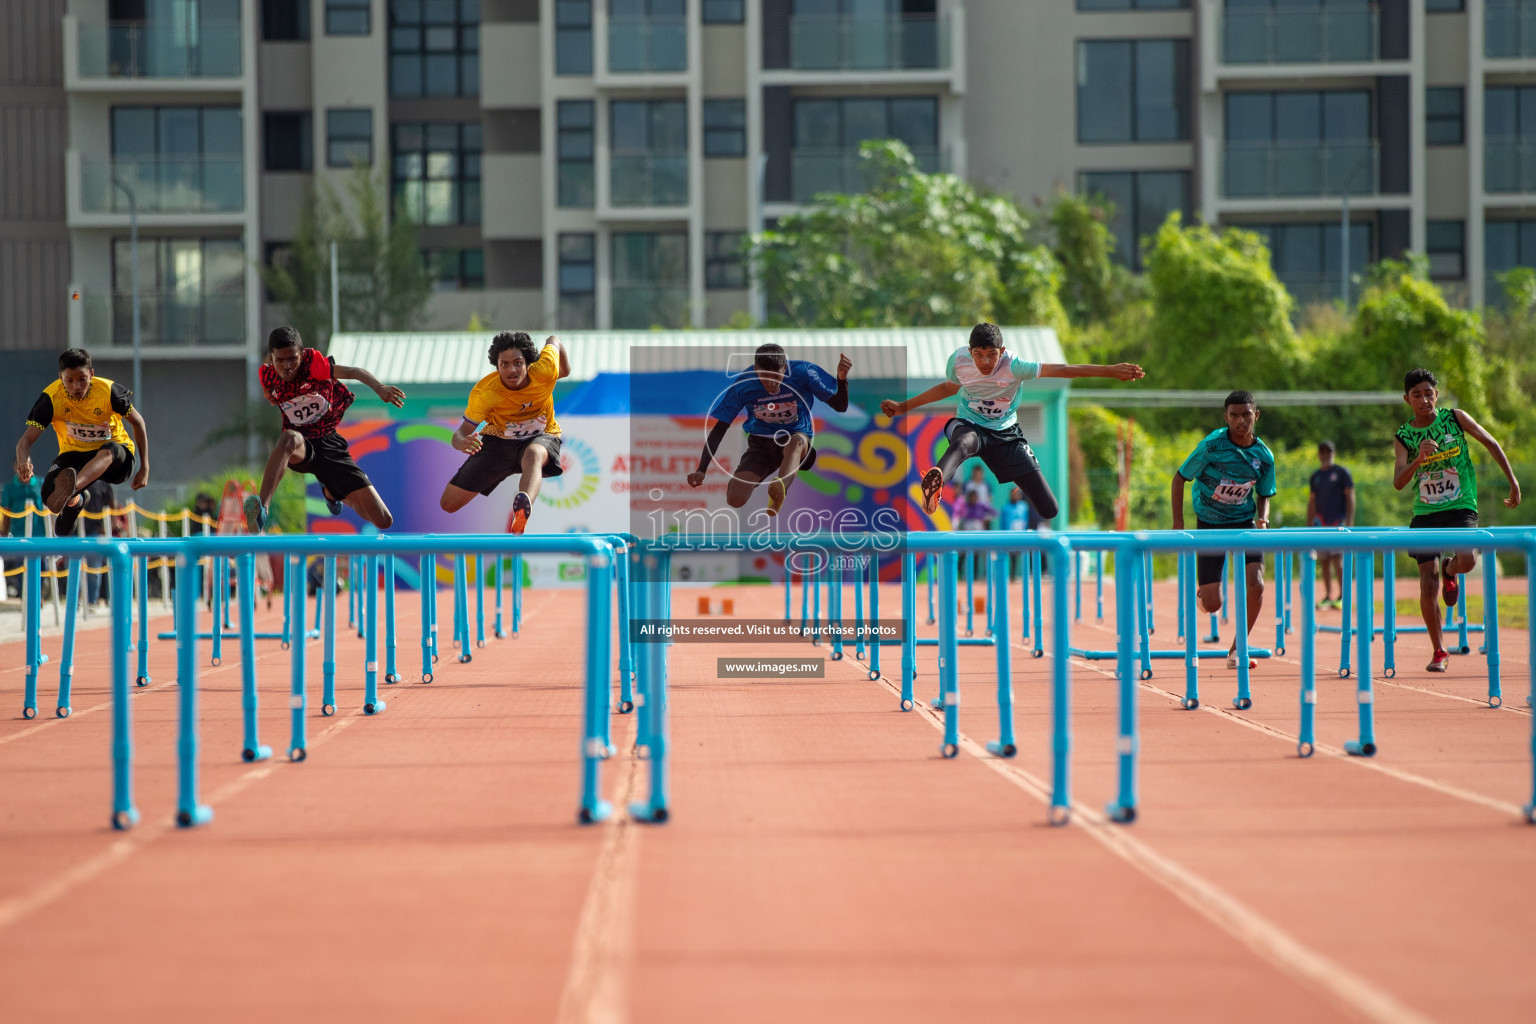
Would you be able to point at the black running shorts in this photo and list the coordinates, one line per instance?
(765, 454)
(498, 458)
(1450, 519)
(117, 472)
(1004, 452)
(1208, 568)
(329, 461)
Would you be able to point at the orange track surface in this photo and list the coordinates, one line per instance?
(823, 863)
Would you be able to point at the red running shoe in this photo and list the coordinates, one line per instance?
(522, 508)
(1450, 587)
(1439, 663)
(933, 489)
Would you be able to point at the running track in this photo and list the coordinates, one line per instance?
(823, 863)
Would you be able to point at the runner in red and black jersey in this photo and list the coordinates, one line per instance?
(308, 388)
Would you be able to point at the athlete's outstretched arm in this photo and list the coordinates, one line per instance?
(937, 393)
(839, 400)
(386, 392)
(1408, 462)
(141, 443)
(711, 443)
(1117, 371)
(467, 438)
(24, 452)
(1176, 501)
(1475, 429)
(565, 359)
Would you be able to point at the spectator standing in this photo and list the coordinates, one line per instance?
(1331, 503)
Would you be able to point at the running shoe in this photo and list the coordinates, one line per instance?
(1232, 660)
(933, 490)
(255, 514)
(63, 490)
(775, 495)
(522, 508)
(1439, 663)
(1450, 586)
(331, 503)
(65, 524)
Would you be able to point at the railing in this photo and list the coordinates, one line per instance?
(208, 49)
(165, 318)
(841, 43)
(638, 45)
(1509, 28)
(1283, 169)
(641, 307)
(208, 184)
(1300, 34)
(648, 179)
(816, 171)
(1509, 165)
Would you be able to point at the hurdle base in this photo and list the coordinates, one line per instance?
(1357, 749)
(1120, 814)
(650, 813)
(261, 752)
(999, 749)
(600, 811)
(202, 814)
(125, 819)
(374, 708)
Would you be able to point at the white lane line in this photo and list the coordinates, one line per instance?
(597, 986)
(1264, 938)
(45, 893)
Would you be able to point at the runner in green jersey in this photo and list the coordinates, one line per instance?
(1432, 453)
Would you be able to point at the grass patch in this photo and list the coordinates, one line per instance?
(1514, 610)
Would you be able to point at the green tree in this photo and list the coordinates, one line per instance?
(1221, 319)
(1093, 286)
(915, 249)
(383, 284)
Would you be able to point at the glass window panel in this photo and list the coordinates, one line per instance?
(223, 267)
(575, 114)
(667, 8)
(469, 75)
(1346, 115)
(1161, 90)
(408, 38)
(1250, 116)
(1116, 188)
(221, 132)
(817, 124)
(723, 12)
(474, 268)
(725, 113)
(469, 10)
(440, 74)
(439, 12)
(576, 145)
(915, 121)
(1298, 117)
(577, 277)
(404, 75)
(1104, 91)
(573, 51)
(628, 128)
(573, 13)
(405, 10)
(180, 132)
(578, 247)
(469, 42)
(1527, 109)
(1158, 193)
(349, 122)
(863, 119)
(1501, 113)
(440, 165)
(669, 126)
(440, 38)
(471, 165)
(133, 132)
(443, 136)
(470, 190)
(409, 135)
(1443, 234)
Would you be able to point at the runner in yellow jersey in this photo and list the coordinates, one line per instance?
(87, 412)
(515, 406)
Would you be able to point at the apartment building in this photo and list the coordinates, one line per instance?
(596, 163)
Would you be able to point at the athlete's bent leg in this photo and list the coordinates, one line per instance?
(290, 450)
(1255, 592)
(455, 497)
(533, 470)
(1038, 493)
(91, 471)
(739, 491)
(795, 452)
(965, 443)
(1210, 597)
(367, 503)
(1429, 603)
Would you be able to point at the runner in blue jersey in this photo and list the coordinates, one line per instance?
(986, 377)
(1234, 477)
(777, 394)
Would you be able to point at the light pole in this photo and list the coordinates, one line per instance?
(133, 257)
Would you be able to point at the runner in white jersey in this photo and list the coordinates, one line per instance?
(987, 379)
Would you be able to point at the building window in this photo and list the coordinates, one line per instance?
(1444, 6)
(647, 35)
(724, 265)
(348, 136)
(1443, 116)
(649, 164)
(724, 12)
(1134, 5)
(1142, 200)
(1307, 257)
(347, 17)
(455, 270)
(284, 20)
(725, 127)
(275, 255)
(289, 140)
(1509, 130)
(574, 147)
(1302, 143)
(191, 291)
(1133, 90)
(1446, 246)
(1507, 244)
(573, 37)
(437, 171)
(578, 281)
(434, 48)
(650, 279)
(178, 159)
(827, 134)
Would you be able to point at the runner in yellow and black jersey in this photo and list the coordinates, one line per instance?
(88, 413)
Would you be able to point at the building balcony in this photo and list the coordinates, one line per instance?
(892, 43)
(815, 171)
(648, 179)
(1300, 34)
(1278, 170)
(1509, 29)
(640, 307)
(166, 319)
(201, 189)
(136, 55)
(647, 45)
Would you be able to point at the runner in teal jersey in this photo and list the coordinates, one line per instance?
(1432, 452)
(1234, 477)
